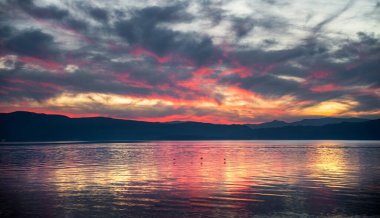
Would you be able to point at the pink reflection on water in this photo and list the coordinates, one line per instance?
(197, 176)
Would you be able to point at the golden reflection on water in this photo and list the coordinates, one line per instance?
(195, 172)
(334, 166)
(229, 174)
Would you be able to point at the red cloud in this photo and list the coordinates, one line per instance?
(138, 51)
(125, 78)
(44, 85)
(319, 75)
(325, 88)
(48, 65)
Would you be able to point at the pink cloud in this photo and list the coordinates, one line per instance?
(319, 75)
(48, 65)
(325, 88)
(139, 51)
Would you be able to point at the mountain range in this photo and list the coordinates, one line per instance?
(28, 126)
(307, 122)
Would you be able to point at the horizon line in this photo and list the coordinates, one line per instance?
(74, 116)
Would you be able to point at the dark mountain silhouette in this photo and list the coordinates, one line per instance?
(306, 122)
(367, 130)
(325, 121)
(26, 126)
(274, 123)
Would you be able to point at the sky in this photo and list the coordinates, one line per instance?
(222, 61)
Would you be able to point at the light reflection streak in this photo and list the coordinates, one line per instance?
(334, 166)
(193, 175)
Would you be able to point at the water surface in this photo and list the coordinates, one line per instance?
(191, 179)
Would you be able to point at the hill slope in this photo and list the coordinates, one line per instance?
(26, 126)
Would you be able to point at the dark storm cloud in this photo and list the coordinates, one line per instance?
(308, 49)
(242, 26)
(250, 57)
(144, 29)
(270, 85)
(5, 31)
(367, 39)
(364, 74)
(156, 14)
(367, 102)
(76, 24)
(27, 90)
(313, 57)
(363, 56)
(31, 42)
(40, 85)
(212, 10)
(99, 14)
(21, 83)
(147, 72)
(49, 12)
(160, 81)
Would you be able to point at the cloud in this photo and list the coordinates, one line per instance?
(31, 42)
(144, 29)
(219, 61)
(8, 62)
(99, 14)
(242, 26)
(49, 12)
(368, 102)
(70, 68)
(332, 17)
(5, 31)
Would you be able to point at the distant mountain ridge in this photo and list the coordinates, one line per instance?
(27, 126)
(307, 122)
(274, 123)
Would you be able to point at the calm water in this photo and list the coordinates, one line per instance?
(191, 179)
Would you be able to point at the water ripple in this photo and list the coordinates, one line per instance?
(191, 179)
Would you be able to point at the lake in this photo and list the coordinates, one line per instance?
(190, 179)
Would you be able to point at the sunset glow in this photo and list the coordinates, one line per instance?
(201, 108)
(164, 61)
